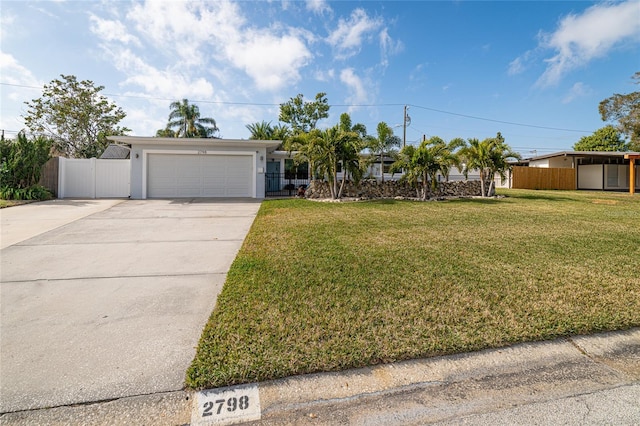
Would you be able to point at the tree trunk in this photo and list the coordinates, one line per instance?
(344, 179)
(482, 182)
(382, 168)
(491, 185)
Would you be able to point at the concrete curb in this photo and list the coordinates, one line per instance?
(432, 390)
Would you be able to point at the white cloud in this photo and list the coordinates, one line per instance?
(112, 31)
(272, 61)
(325, 76)
(12, 98)
(516, 66)
(581, 38)
(319, 7)
(358, 92)
(196, 31)
(6, 24)
(578, 90)
(348, 37)
(168, 83)
(14, 73)
(388, 46)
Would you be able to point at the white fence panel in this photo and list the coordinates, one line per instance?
(93, 178)
(112, 178)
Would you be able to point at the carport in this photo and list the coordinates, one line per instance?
(188, 168)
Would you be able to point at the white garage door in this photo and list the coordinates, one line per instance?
(175, 175)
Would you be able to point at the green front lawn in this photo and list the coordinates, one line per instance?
(325, 286)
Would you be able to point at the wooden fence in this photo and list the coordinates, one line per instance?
(49, 175)
(544, 178)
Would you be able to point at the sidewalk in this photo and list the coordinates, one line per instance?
(578, 380)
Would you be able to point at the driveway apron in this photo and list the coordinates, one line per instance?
(113, 304)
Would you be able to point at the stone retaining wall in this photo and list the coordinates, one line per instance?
(393, 189)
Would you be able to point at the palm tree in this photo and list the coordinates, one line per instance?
(383, 143)
(325, 150)
(407, 162)
(422, 164)
(188, 123)
(265, 131)
(260, 131)
(488, 157)
(477, 156)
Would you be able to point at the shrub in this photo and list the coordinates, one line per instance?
(21, 163)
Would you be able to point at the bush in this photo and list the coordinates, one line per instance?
(21, 163)
(35, 192)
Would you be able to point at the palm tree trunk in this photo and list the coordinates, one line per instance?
(382, 168)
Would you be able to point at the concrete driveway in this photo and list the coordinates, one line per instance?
(111, 304)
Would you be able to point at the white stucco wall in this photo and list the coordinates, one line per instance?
(590, 176)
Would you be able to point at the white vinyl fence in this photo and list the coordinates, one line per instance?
(93, 178)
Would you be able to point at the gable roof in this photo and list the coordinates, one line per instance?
(115, 151)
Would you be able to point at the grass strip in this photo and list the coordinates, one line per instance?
(326, 286)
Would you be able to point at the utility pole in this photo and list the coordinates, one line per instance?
(404, 128)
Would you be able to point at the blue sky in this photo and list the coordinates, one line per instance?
(465, 68)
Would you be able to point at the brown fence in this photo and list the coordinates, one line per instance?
(544, 178)
(49, 175)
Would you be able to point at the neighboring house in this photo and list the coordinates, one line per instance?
(599, 170)
(193, 167)
(116, 152)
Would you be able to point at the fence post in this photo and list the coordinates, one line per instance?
(62, 170)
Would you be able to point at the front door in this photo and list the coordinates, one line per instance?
(273, 176)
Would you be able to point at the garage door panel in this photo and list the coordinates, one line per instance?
(187, 175)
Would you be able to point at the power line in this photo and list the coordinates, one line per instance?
(500, 121)
(333, 105)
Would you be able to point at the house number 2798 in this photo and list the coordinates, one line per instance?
(219, 405)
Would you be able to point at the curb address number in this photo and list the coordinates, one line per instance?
(231, 403)
(227, 405)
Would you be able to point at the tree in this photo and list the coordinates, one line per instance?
(165, 133)
(350, 141)
(384, 143)
(22, 161)
(422, 164)
(304, 116)
(265, 131)
(607, 138)
(329, 149)
(625, 109)
(75, 116)
(185, 119)
(488, 157)
(260, 131)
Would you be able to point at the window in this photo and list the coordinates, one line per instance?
(291, 171)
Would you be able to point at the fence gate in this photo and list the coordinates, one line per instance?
(93, 178)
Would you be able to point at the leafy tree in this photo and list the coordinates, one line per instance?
(488, 157)
(383, 143)
(303, 116)
(75, 116)
(625, 109)
(22, 161)
(185, 119)
(607, 138)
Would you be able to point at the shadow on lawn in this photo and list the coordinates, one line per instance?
(533, 195)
